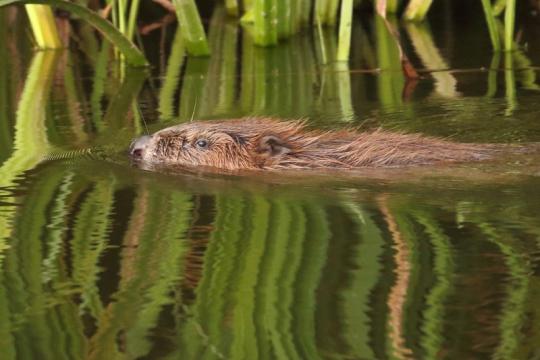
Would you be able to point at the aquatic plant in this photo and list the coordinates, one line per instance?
(43, 26)
(491, 12)
(132, 54)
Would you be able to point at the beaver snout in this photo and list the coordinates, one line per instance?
(137, 147)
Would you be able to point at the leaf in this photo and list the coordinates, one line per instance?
(133, 55)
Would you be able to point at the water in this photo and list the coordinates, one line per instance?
(102, 260)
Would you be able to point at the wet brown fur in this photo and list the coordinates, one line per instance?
(268, 144)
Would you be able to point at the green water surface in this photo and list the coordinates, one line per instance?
(102, 260)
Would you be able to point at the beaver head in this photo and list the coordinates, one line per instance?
(234, 144)
(262, 143)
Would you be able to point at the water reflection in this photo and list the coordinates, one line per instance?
(101, 260)
(148, 267)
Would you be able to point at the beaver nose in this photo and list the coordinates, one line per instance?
(137, 147)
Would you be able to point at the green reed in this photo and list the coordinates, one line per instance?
(268, 20)
(491, 12)
(391, 79)
(43, 26)
(192, 28)
(492, 24)
(345, 30)
(509, 22)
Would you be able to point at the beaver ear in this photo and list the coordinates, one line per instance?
(272, 145)
(239, 139)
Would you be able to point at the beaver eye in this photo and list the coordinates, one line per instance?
(202, 143)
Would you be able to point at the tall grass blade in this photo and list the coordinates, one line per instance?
(44, 27)
(345, 27)
(265, 26)
(492, 25)
(509, 22)
(390, 80)
(132, 19)
(192, 28)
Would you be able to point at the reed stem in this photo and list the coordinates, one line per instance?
(492, 25)
(509, 22)
(345, 26)
(121, 6)
(192, 28)
(43, 26)
(265, 22)
(132, 20)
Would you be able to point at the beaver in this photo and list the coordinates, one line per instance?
(269, 144)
